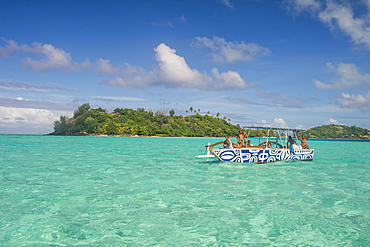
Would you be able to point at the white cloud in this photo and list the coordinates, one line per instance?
(303, 5)
(13, 46)
(331, 121)
(320, 85)
(38, 120)
(163, 23)
(327, 109)
(134, 77)
(281, 100)
(300, 126)
(52, 58)
(14, 85)
(276, 123)
(353, 101)
(20, 102)
(230, 79)
(348, 76)
(227, 3)
(228, 52)
(338, 17)
(170, 23)
(279, 122)
(183, 19)
(105, 67)
(172, 71)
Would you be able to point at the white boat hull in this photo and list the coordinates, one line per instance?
(259, 155)
(208, 155)
(205, 156)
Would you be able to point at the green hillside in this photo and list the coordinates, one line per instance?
(129, 122)
(338, 131)
(87, 121)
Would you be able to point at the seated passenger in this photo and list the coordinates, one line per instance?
(249, 144)
(227, 143)
(304, 141)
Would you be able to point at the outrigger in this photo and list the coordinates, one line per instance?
(269, 149)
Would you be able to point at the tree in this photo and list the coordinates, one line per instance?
(81, 110)
(111, 127)
(160, 112)
(60, 126)
(90, 124)
(172, 112)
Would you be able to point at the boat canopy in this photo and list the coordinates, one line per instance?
(280, 133)
(273, 128)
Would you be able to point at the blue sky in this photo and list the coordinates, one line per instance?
(287, 63)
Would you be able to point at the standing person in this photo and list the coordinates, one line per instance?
(245, 140)
(240, 138)
(290, 143)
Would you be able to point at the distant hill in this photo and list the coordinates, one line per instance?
(129, 122)
(338, 131)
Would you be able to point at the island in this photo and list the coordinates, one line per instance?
(140, 122)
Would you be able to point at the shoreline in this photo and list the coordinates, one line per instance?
(158, 136)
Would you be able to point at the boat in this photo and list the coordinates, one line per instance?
(208, 153)
(272, 147)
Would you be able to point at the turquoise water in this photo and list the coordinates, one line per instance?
(127, 191)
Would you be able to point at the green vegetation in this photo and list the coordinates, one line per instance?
(129, 122)
(87, 121)
(338, 131)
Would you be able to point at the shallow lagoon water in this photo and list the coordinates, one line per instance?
(145, 191)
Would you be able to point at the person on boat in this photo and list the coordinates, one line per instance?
(240, 138)
(249, 144)
(266, 144)
(290, 144)
(227, 143)
(303, 140)
(245, 140)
